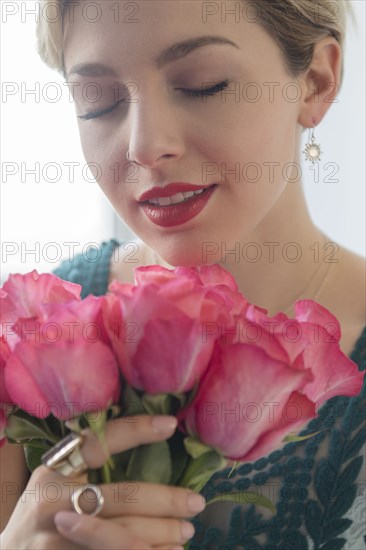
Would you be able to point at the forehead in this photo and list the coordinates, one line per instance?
(138, 20)
(130, 36)
(139, 29)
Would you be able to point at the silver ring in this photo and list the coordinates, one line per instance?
(65, 457)
(79, 492)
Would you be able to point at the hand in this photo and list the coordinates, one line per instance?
(134, 516)
(31, 525)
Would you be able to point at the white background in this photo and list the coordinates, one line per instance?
(36, 129)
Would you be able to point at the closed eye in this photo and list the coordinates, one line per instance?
(103, 112)
(200, 92)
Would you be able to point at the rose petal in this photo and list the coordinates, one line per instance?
(65, 379)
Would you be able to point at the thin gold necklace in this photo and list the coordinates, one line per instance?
(325, 270)
(327, 267)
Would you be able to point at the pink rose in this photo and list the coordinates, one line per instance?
(4, 356)
(334, 373)
(310, 341)
(23, 295)
(65, 378)
(63, 364)
(267, 380)
(157, 327)
(247, 402)
(6, 403)
(70, 320)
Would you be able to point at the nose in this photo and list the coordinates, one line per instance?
(155, 134)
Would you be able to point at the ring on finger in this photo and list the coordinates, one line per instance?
(75, 496)
(65, 457)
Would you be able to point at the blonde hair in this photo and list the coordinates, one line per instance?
(296, 26)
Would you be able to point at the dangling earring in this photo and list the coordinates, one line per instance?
(312, 149)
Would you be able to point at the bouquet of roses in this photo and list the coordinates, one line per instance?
(182, 342)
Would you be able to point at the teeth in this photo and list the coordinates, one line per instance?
(178, 197)
(164, 201)
(175, 199)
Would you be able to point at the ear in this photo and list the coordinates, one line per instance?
(321, 81)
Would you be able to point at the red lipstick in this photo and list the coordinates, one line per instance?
(170, 190)
(178, 213)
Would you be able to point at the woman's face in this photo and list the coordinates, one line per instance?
(242, 138)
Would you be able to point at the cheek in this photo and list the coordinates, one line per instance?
(244, 133)
(106, 156)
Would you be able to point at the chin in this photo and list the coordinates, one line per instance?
(187, 256)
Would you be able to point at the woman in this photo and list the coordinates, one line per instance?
(181, 92)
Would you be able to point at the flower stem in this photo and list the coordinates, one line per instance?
(106, 473)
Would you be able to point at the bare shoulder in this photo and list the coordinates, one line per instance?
(351, 283)
(346, 296)
(14, 477)
(129, 255)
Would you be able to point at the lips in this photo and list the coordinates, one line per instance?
(170, 190)
(178, 213)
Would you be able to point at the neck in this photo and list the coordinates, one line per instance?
(282, 260)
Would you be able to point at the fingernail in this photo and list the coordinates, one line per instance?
(66, 521)
(196, 503)
(187, 530)
(164, 424)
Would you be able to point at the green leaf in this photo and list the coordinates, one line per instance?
(131, 402)
(291, 438)
(195, 448)
(159, 403)
(234, 467)
(121, 461)
(22, 429)
(201, 469)
(151, 463)
(247, 497)
(33, 452)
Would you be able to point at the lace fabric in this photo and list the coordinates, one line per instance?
(318, 485)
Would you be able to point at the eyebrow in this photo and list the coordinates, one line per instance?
(172, 53)
(181, 49)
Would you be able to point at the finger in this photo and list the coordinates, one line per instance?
(146, 499)
(125, 433)
(95, 533)
(46, 493)
(158, 531)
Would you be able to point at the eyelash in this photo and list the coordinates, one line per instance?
(203, 92)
